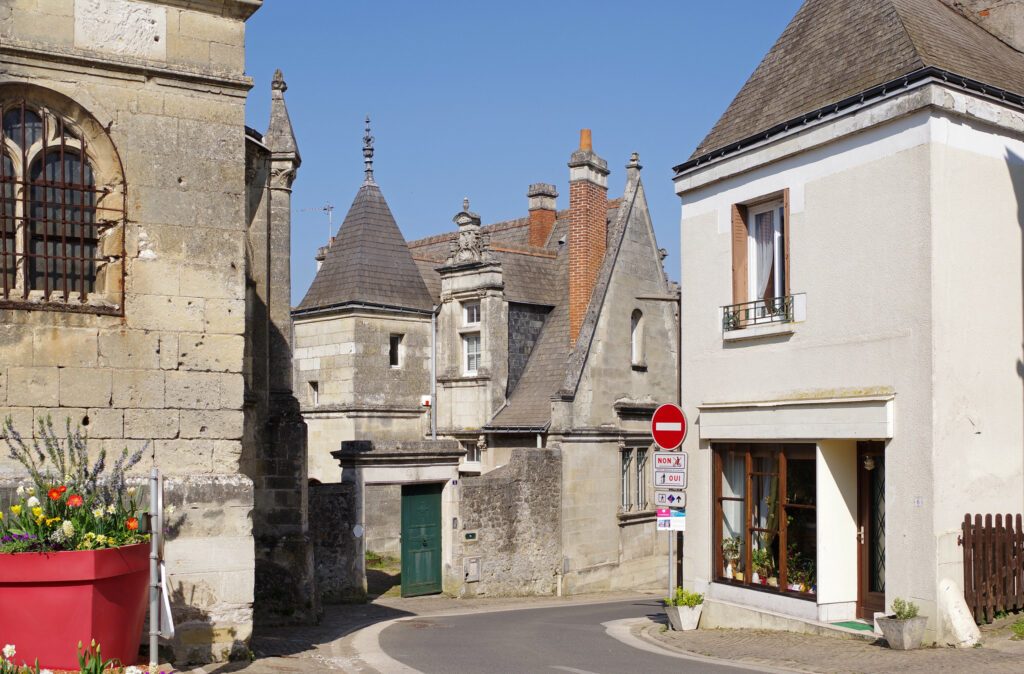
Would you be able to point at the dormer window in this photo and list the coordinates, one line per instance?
(471, 313)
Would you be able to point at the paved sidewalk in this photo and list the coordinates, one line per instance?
(811, 653)
(328, 647)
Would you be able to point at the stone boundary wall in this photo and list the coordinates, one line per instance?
(332, 513)
(515, 512)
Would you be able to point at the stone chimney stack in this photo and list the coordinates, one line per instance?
(588, 229)
(542, 198)
(1002, 18)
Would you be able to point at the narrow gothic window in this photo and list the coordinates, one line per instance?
(54, 218)
(636, 337)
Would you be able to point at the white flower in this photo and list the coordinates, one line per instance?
(97, 513)
(67, 478)
(33, 502)
(68, 528)
(9, 651)
(20, 491)
(132, 669)
(131, 491)
(45, 671)
(111, 509)
(31, 491)
(170, 510)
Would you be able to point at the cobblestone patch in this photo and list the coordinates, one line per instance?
(826, 655)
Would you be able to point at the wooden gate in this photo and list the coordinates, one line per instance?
(993, 565)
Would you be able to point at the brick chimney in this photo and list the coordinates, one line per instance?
(542, 198)
(1002, 18)
(588, 229)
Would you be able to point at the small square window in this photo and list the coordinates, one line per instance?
(471, 352)
(395, 351)
(471, 313)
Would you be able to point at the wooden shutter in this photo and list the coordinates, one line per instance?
(739, 254)
(785, 240)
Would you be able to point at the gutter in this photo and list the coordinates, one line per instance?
(331, 308)
(890, 88)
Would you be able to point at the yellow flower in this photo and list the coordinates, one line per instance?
(1, 514)
(16, 509)
(37, 511)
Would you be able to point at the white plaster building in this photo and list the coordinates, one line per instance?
(852, 310)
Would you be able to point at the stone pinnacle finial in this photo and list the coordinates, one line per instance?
(278, 83)
(368, 151)
(465, 204)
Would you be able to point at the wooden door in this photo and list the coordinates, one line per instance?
(421, 539)
(870, 529)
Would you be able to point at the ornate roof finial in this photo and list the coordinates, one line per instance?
(465, 204)
(278, 83)
(368, 152)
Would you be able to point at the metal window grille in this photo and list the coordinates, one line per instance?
(641, 479)
(52, 214)
(627, 461)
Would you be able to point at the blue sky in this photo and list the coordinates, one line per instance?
(480, 99)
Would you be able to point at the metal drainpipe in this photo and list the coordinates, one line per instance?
(433, 373)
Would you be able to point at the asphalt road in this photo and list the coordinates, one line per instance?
(549, 639)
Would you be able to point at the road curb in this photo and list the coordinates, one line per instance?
(646, 631)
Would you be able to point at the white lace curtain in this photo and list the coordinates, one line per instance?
(764, 235)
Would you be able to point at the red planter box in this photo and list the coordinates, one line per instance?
(49, 601)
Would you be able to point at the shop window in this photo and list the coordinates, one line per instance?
(765, 517)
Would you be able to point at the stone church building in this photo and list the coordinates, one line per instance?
(144, 286)
(534, 350)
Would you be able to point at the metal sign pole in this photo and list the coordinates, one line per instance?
(669, 532)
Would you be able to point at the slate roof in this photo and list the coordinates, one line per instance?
(835, 49)
(369, 262)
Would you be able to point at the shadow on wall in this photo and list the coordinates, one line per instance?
(197, 640)
(1015, 167)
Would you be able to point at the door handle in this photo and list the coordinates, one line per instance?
(424, 542)
(860, 534)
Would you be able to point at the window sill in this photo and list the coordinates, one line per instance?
(470, 467)
(99, 307)
(759, 331)
(637, 517)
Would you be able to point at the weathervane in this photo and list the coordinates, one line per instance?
(368, 151)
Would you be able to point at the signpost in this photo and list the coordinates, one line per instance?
(668, 427)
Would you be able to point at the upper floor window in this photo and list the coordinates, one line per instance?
(61, 219)
(471, 313)
(636, 338)
(395, 350)
(766, 275)
(471, 353)
(760, 264)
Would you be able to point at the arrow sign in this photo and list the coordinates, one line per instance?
(668, 426)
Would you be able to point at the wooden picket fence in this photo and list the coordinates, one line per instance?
(993, 565)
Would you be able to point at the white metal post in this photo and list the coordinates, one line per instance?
(154, 566)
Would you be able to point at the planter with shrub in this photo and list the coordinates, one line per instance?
(904, 629)
(683, 609)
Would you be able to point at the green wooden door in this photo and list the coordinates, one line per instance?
(421, 539)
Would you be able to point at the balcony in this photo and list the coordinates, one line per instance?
(763, 318)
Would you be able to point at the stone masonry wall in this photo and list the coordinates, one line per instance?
(382, 512)
(332, 511)
(170, 370)
(515, 512)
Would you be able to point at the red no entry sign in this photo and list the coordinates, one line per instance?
(668, 426)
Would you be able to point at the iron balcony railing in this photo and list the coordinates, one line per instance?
(758, 312)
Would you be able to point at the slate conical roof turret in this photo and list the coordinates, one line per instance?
(835, 49)
(369, 261)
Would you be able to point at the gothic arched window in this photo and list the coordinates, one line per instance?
(61, 229)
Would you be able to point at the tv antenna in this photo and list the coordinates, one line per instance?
(327, 208)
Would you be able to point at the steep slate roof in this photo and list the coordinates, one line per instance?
(835, 49)
(368, 262)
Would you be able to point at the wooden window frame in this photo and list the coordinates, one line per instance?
(741, 244)
(782, 452)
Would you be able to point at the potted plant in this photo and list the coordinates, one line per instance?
(731, 554)
(904, 629)
(683, 609)
(761, 560)
(74, 559)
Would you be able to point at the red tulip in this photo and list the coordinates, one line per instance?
(75, 501)
(132, 523)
